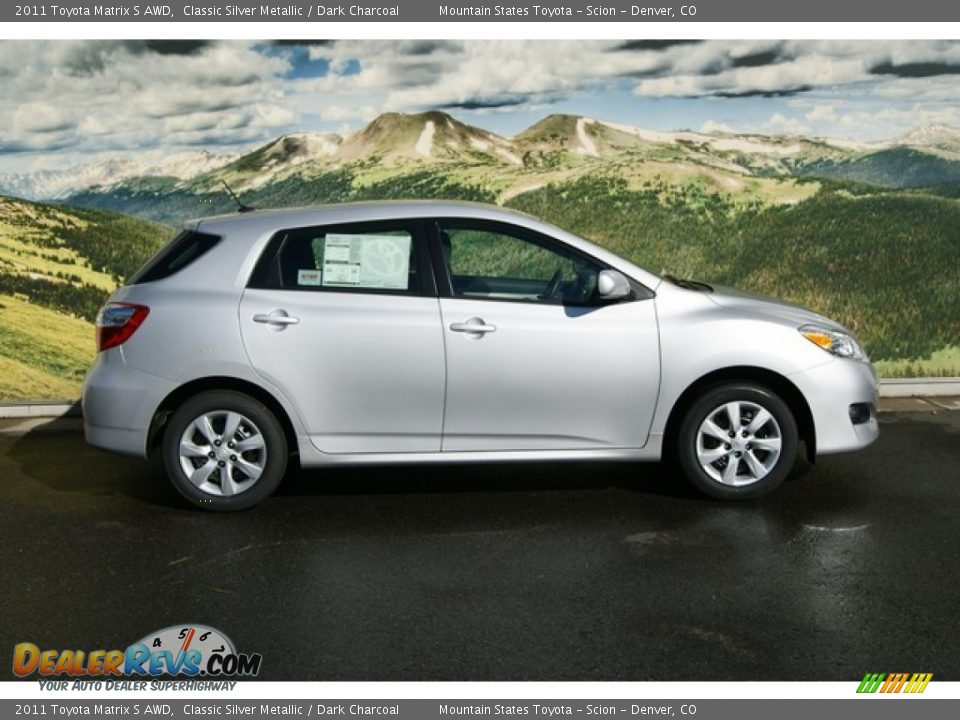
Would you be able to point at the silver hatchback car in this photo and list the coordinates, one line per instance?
(425, 332)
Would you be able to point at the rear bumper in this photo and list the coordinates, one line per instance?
(831, 389)
(119, 403)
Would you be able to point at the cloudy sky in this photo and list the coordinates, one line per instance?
(64, 102)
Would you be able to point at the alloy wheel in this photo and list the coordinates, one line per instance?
(738, 443)
(222, 453)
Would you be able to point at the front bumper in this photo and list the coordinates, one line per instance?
(119, 403)
(831, 390)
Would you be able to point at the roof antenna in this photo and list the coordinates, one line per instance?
(240, 206)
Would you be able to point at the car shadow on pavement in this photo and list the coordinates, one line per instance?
(651, 478)
(54, 454)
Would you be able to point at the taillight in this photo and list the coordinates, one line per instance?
(117, 322)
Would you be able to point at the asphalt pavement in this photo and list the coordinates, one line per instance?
(507, 572)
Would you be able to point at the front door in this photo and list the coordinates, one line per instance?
(535, 361)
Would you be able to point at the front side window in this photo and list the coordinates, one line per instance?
(497, 262)
(357, 257)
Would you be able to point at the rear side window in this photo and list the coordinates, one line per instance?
(360, 257)
(175, 256)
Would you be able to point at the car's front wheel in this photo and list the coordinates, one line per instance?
(224, 450)
(737, 441)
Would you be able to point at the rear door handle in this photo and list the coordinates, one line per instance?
(473, 325)
(275, 317)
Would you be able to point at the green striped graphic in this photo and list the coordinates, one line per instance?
(871, 682)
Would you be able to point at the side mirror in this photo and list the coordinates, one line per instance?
(612, 285)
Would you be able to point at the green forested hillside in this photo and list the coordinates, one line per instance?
(887, 265)
(170, 205)
(884, 262)
(57, 267)
(177, 204)
(898, 167)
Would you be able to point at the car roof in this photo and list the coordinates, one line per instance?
(260, 223)
(360, 211)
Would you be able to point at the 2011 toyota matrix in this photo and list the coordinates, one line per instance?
(424, 332)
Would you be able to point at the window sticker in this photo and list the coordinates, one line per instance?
(366, 261)
(309, 277)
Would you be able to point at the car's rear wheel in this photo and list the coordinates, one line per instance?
(224, 450)
(737, 441)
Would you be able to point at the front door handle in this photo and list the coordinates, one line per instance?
(276, 318)
(473, 325)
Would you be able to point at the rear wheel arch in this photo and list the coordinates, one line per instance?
(188, 390)
(777, 383)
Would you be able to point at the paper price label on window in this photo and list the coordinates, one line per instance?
(341, 274)
(366, 261)
(335, 252)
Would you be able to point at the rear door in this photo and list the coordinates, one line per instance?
(345, 321)
(534, 360)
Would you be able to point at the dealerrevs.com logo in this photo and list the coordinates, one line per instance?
(179, 650)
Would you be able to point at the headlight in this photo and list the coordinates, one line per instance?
(836, 343)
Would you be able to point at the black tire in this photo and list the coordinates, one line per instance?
(784, 427)
(273, 462)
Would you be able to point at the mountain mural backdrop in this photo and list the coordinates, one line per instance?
(867, 233)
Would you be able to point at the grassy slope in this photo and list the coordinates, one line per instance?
(57, 266)
(43, 353)
(941, 363)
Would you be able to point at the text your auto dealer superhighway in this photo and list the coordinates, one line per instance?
(308, 11)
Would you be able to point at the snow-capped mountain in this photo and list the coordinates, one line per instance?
(265, 163)
(395, 137)
(57, 184)
(390, 140)
(54, 184)
(942, 138)
(185, 165)
(396, 140)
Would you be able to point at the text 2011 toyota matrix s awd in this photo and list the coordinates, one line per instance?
(414, 332)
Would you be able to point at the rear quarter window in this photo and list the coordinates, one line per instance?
(177, 254)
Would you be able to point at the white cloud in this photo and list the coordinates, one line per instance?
(456, 73)
(779, 123)
(783, 78)
(345, 113)
(711, 126)
(41, 117)
(86, 98)
(822, 114)
(99, 96)
(895, 121)
(273, 116)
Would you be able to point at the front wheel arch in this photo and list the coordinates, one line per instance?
(776, 382)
